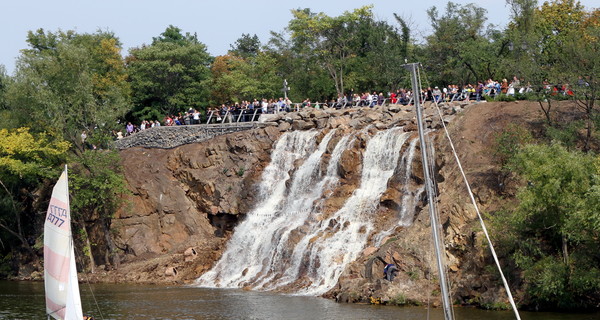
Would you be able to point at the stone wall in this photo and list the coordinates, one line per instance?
(171, 137)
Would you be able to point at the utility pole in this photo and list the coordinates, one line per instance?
(438, 243)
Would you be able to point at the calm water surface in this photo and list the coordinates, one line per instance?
(25, 300)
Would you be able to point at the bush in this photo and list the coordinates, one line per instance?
(552, 235)
(399, 300)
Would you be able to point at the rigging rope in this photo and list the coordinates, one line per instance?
(487, 236)
(87, 280)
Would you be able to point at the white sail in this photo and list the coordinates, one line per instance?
(60, 274)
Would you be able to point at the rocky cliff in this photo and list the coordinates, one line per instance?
(185, 202)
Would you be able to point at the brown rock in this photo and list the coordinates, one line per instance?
(303, 125)
(349, 163)
(396, 256)
(284, 126)
(170, 272)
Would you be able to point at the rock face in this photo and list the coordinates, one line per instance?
(185, 202)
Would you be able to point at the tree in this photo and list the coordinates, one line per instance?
(296, 62)
(557, 44)
(66, 84)
(98, 184)
(5, 115)
(382, 49)
(246, 46)
(169, 76)
(26, 159)
(336, 55)
(69, 83)
(461, 48)
(331, 39)
(554, 233)
(235, 78)
(574, 55)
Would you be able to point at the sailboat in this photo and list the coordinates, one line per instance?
(60, 273)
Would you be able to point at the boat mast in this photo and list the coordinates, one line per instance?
(439, 252)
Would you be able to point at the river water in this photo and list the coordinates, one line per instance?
(25, 300)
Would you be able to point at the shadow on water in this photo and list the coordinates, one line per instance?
(25, 300)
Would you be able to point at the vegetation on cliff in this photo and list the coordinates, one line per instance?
(553, 233)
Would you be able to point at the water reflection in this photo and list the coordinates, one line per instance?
(25, 300)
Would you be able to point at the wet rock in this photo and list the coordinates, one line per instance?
(291, 117)
(337, 122)
(349, 163)
(322, 123)
(357, 123)
(369, 251)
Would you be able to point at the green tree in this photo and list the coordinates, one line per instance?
(576, 64)
(5, 114)
(381, 51)
(296, 62)
(554, 233)
(236, 78)
(557, 44)
(462, 49)
(331, 39)
(169, 76)
(26, 159)
(66, 84)
(353, 52)
(246, 46)
(69, 83)
(98, 184)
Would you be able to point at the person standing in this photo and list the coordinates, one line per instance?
(129, 128)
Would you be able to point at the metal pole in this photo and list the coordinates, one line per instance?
(439, 252)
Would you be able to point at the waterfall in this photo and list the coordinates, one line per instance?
(252, 240)
(287, 241)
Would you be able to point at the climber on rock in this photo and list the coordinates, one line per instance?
(389, 272)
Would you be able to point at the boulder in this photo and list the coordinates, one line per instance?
(303, 125)
(266, 117)
(284, 126)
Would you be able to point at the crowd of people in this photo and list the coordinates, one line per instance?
(250, 110)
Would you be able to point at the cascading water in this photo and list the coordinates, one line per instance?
(409, 195)
(344, 235)
(252, 241)
(287, 240)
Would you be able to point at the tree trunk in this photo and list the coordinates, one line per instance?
(89, 250)
(546, 111)
(110, 246)
(565, 250)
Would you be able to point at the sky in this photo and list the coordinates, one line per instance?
(218, 24)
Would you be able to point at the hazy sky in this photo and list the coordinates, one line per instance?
(217, 23)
